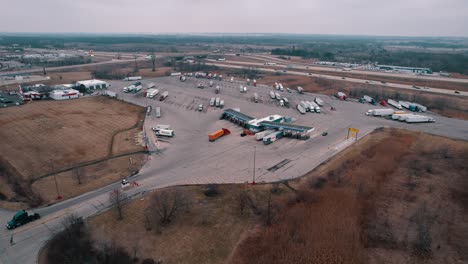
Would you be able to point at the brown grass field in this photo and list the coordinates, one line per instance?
(389, 198)
(47, 136)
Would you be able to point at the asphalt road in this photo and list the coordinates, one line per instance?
(190, 159)
(240, 65)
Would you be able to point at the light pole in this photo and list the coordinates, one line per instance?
(253, 180)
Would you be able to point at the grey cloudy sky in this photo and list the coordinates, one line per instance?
(363, 17)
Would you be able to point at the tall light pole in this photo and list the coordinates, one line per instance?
(253, 180)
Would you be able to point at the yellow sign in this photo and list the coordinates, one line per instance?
(353, 132)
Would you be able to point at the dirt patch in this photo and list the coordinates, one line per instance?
(46, 136)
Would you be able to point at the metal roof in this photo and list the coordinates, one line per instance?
(238, 115)
(286, 126)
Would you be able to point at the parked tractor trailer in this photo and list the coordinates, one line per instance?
(21, 218)
(218, 133)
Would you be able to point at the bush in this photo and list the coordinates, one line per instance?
(211, 190)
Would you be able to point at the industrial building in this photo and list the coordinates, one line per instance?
(64, 94)
(93, 84)
(404, 69)
(276, 122)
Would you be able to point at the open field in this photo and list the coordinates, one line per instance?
(402, 202)
(43, 137)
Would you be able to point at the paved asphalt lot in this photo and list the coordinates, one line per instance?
(189, 158)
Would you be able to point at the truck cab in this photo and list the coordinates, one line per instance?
(21, 218)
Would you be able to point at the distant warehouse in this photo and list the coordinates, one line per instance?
(64, 94)
(404, 69)
(90, 85)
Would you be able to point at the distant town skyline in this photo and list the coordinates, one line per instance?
(334, 17)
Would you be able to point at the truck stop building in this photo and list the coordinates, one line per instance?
(237, 117)
(93, 84)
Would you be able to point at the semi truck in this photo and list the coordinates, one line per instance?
(305, 106)
(211, 83)
(218, 133)
(319, 101)
(281, 87)
(182, 78)
(260, 135)
(212, 101)
(221, 103)
(341, 96)
(394, 104)
(272, 137)
(256, 97)
(408, 105)
(200, 107)
(164, 96)
(301, 109)
(218, 89)
(158, 112)
(418, 119)
(217, 102)
(133, 78)
(380, 112)
(367, 99)
(164, 132)
(316, 107)
(151, 85)
(277, 96)
(272, 95)
(21, 218)
(152, 93)
(286, 101)
(232, 79)
(243, 89)
(161, 126)
(300, 89)
(111, 94)
(200, 85)
(420, 108)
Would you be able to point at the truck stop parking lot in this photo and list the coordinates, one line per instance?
(189, 158)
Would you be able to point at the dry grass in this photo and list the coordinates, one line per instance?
(47, 136)
(206, 233)
(94, 177)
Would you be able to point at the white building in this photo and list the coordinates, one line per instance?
(64, 94)
(93, 84)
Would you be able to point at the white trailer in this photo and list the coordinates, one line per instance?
(165, 133)
(212, 101)
(319, 101)
(151, 85)
(420, 108)
(277, 96)
(301, 109)
(260, 135)
(133, 78)
(399, 115)
(164, 95)
(161, 126)
(232, 79)
(151, 93)
(305, 105)
(300, 89)
(176, 74)
(281, 87)
(394, 104)
(256, 97)
(316, 107)
(211, 83)
(111, 94)
(418, 119)
(272, 95)
(217, 102)
(380, 112)
(286, 101)
(218, 89)
(221, 103)
(341, 95)
(158, 112)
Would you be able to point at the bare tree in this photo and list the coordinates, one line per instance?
(117, 199)
(77, 174)
(167, 204)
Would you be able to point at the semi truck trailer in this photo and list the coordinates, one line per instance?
(319, 101)
(260, 135)
(164, 96)
(272, 137)
(380, 112)
(218, 133)
(394, 104)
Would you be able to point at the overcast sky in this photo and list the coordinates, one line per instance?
(352, 17)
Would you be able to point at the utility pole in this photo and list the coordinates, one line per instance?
(255, 150)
